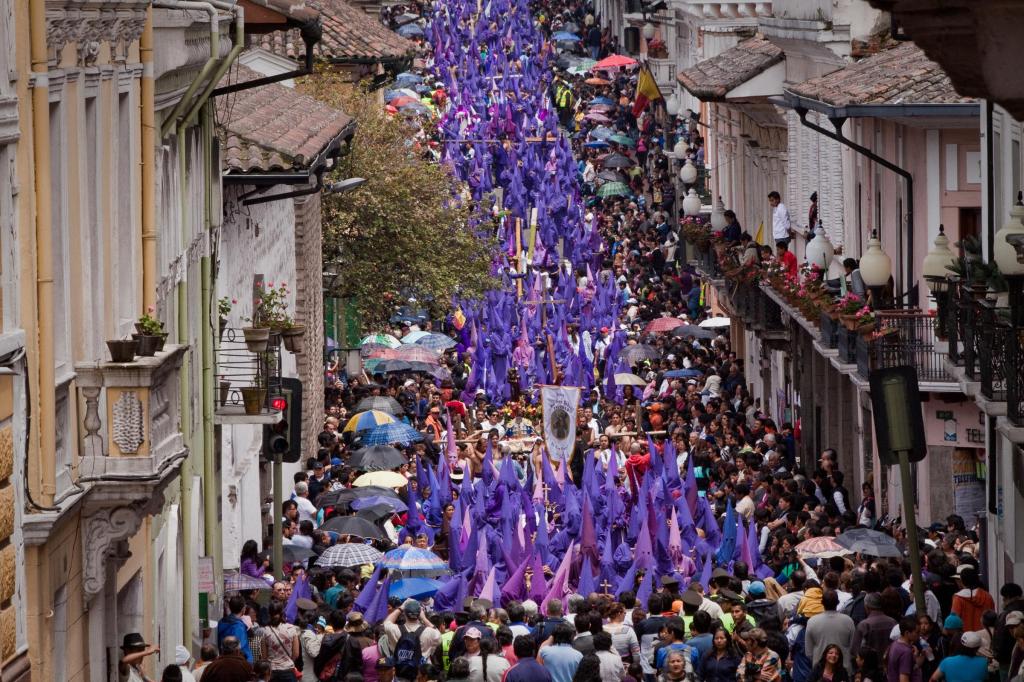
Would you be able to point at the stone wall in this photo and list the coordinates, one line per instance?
(309, 309)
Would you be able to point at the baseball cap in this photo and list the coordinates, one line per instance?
(971, 640)
(412, 608)
(953, 622)
(1014, 618)
(756, 589)
(472, 633)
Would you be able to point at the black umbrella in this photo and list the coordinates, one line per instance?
(291, 553)
(346, 495)
(868, 541)
(377, 458)
(353, 525)
(382, 403)
(611, 176)
(376, 512)
(639, 352)
(694, 331)
(617, 160)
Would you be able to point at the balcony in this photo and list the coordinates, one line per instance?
(246, 380)
(906, 338)
(131, 424)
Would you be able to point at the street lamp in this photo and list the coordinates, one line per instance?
(876, 269)
(688, 173)
(691, 204)
(648, 31)
(718, 216)
(819, 250)
(935, 271)
(1008, 249)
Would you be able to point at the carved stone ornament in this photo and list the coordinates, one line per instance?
(88, 23)
(102, 531)
(128, 429)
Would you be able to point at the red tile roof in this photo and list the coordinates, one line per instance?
(712, 78)
(273, 127)
(899, 75)
(349, 35)
(294, 10)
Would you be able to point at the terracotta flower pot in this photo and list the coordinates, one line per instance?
(256, 339)
(122, 350)
(253, 399)
(292, 338)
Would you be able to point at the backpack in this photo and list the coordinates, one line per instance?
(327, 664)
(408, 655)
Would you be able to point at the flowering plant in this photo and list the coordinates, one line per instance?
(865, 316)
(272, 307)
(149, 325)
(695, 230)
(850, 304)
(224, 306)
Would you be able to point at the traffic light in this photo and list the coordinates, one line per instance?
(896, 411)
(285, 437)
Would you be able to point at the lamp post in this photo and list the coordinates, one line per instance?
(648, 31)
(820, 251)
(1008, 249)
(935, 270)
(691, 204)
(876, 269)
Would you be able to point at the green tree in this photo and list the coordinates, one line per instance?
(400, 234)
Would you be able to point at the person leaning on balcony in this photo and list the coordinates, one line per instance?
(787, 259)
(732, 232)
(856, 281)
(751, 250)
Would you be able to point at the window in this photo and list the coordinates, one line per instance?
(126, 292)
(92, 244)
(1015, 166)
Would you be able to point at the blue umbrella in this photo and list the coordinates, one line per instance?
(601, 133)
(566, 36)
(601, 100)
(392, 94)
(414, 588)
(410, 30)
(408, 78)
(682, 374)
(393, 502)
(596, 144)
(397, 432)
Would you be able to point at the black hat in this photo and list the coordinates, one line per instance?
(133, 640)
(720, 573)
(691, 598)
(667, 580)
(729, 595)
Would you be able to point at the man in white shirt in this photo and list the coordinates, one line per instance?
(782, 225)
(307, 510)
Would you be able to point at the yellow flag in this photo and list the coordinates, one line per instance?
(759, 237)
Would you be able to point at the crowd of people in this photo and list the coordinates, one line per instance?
(667, 546)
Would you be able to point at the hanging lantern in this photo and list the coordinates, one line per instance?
(688, 173)
(718, 216)
(1003, 250)
(875, 264)
(934, 269)
(648, 31)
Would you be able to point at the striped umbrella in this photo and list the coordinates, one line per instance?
(382, 403)
(397, 432)
(414, 353)
(364, 421)
(663, 324)
(240, 582)
(381, 339)
(413, 337)
(414, 561)
(435, 341)
(613, 189)
(349, 554)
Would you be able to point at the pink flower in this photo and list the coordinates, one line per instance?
(284, 284)
(270, 284)
(234, 301)
(150, 309)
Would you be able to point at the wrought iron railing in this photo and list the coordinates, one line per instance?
(243, 374)
(904, 338)
(830, 331)
(966, 331)
(994, 334)
(1014, 369)
(707, 261)
(953, 325)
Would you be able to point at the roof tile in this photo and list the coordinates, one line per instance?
(273, 127)
(349, 34)
(712, 78)
(902, 74)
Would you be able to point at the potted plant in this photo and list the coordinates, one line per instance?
(122, 350)
(866, 321)
(848, 306)
(254, 397)
(292, 336)
(224, 305)
(269, 318)
(151, 334)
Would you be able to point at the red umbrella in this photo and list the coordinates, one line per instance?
(383, 354)
(663, 324)
(614, 61)
(400, 102)
(412, 353)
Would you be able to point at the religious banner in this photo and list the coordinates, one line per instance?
(560, 404)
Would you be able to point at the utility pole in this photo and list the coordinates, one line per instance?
(278, 555)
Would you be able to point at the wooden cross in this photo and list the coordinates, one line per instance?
(605, 584)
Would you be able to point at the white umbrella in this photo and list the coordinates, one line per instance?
(715, 322)
(627, 379)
